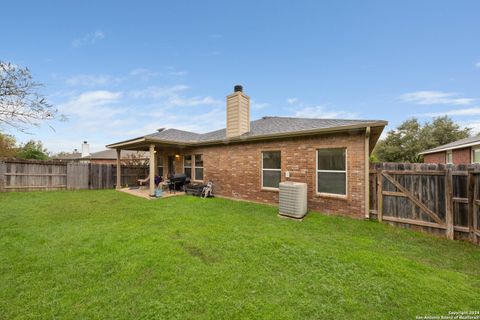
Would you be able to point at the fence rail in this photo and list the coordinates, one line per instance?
(21, 175)
(437, 198)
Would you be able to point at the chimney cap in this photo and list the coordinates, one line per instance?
(84, 141)
(238, 88)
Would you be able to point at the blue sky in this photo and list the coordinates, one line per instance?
(123, 69)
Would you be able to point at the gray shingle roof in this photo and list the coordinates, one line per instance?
(260, 127)
(455, 145)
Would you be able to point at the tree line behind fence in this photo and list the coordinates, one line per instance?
(52, 175)
(437, 198)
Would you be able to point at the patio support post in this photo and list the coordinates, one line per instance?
(152, 169)
(119, 170)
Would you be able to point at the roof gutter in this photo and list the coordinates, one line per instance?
(126, 142)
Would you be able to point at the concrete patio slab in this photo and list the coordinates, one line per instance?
(143, 193)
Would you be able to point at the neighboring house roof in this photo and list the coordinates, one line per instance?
(69, 156)
(111, 154)
(463, 143)
(262, 128)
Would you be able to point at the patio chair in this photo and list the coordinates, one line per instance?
(143, 182)
(207, 190)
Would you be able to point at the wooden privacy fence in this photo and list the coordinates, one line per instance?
(21, 175)
(437, 198)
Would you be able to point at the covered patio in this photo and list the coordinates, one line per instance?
(165, 160)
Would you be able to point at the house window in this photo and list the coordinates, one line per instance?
(160, 164)
(331, 171)
(476, 155)
(271, 169)
(199, 167)
(187, 165)
(449, 157)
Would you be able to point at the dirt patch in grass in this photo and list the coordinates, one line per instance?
(199, 253)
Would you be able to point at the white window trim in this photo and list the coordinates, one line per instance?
(194, 167)
(191, 164)
(327, 194)
(265, 169)
(446, 156)
(473, 154)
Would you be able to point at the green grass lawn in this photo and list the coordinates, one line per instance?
(108, 255)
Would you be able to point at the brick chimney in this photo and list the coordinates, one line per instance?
(238, 113)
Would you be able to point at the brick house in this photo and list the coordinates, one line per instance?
(247, 160)
(464, 151)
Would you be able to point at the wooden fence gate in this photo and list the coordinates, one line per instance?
(441, 199)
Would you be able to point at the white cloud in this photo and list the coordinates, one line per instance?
(475, 111)
(303, 110)
(323, 113)
(259, 105)
(198, 122)
(158, 92)
(474, 124)
(90, 80)
(88, 39)
(179, 73)
(143, 74)
(94, 110)
(108, 116)
(178, 101)
(292, 100)
(435, 97)
(174, 97)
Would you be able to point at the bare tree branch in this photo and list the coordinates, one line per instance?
(21, 106)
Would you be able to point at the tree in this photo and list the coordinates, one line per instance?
(136, 159)
(20, 103)
(444, 130)
(8, 147)
(410, 138)
(33, 150)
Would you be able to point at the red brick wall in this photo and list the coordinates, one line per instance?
(235, 170)
(459, 156)
(438, 157)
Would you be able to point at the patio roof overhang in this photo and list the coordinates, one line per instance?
(143, 143)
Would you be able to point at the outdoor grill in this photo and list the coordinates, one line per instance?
(177, 181)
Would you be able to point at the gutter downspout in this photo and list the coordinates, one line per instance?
(367, 173)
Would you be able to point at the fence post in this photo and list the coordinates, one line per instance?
(379, 195)
(3, 169)
(449, 204)
(474, 208)
(471, 200)
(89, 176)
